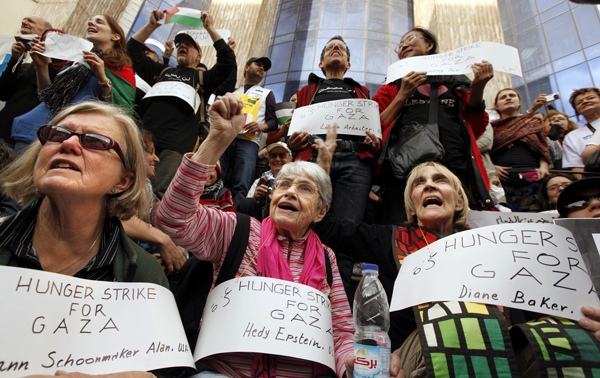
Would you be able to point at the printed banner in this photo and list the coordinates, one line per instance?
(587, 236)
(283, 111)
(353, 117)
(458, 62)
(491, 218)
(55, 322)
(176, 89)
(534, 267)
(203, 38)
(66, 47)
(267, 315)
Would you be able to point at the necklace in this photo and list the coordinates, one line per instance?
(79, 259)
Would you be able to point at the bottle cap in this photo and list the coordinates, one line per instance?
(370, 267)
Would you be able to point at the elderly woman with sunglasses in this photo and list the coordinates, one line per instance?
(461, 119)
(85, 173)
(283, 246)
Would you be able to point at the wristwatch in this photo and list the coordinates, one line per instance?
(108, 84)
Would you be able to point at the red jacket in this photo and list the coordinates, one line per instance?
(305, 97)
(475, 124)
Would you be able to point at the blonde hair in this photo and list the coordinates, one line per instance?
(460, 217)
(17, 178)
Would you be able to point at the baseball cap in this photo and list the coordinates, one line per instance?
(182, 34)
(264, 60)
(272, 146)
(572, 193)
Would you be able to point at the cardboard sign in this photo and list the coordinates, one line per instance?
(203, 38)
(587, 236)
(353, 117)
(176, 89)
(66, 47)
(489, 218)
(267, 315)
(535, 267)
(459, 62)
(55, 322)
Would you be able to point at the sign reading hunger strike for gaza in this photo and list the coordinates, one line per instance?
(353, 117)
(55, 322)
(535, 267)
(267, 315)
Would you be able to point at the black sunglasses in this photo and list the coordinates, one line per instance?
(59, 134)
(583, 203)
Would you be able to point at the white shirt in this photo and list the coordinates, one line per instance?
(573, 146)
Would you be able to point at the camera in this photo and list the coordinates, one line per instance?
(552, 97)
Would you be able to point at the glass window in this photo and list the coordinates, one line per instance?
(302, 55)
(379, 18)
(553, 12)
(287, 21)
(278, 90)
(357, 58)
(505, 18)
(521, 10)
(280, 57)
(332, 15)
(378, 57)
(595, 70)
(402, 22)
(588, 24)
(354, 18)
(569, 61)
(573, 78)
(309, 16)
(561, 36)
(532, 48)
(547, 4)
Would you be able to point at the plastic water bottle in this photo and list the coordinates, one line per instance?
(372, 322)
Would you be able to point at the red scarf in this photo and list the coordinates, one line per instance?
(272, 263)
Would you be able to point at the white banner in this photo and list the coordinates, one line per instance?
(55, 322)
(176, 89)
(458, 62)
(203, 38)
(267, 315)
(66, 47)
(490, 218)
(534, 267)
(353, 117)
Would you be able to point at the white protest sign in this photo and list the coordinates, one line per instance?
(353, 117)
(203, 38)
(267, 315)
(55, 322)
(458, 62)
(535, 267)
(66, 47)
(489, 218)
(176, 89)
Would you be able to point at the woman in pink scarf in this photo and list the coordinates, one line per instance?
(282, 246)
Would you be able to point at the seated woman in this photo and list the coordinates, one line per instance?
(551, 188)
(256, 203)
(170, 256)
(106, 74)
(520, 153)
(85, 173)
(282, 246)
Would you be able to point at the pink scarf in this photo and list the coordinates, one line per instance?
(272, 263)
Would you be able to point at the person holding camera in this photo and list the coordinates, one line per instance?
(520, 153)
(18, 84)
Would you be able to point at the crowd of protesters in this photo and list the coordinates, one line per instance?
(100, 182)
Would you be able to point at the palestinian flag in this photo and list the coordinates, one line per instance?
(186, 16)
(283, 111)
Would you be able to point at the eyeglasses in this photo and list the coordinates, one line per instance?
(557, 186)
(303, 188)
(583, 203)
(553, 119)
(332, 45)
(408, 40)
(59, 134)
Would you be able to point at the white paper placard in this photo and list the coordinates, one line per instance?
(176, 89)
(203, 38)
(489, 218)
(458, 62)
(267, 315)
(55, 322)
(353, 117)
(66, 47)
(535, 267)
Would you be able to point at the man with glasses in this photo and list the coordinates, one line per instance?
(173, 120)
(585, 102)
(352, 165)
(580, 199)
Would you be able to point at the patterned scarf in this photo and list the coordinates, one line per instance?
(526, 129)
(211, 192)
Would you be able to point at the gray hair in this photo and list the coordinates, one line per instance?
(315, 173)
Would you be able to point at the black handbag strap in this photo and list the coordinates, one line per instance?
(235, 253)
(433, 109)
